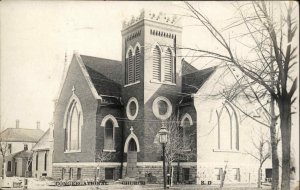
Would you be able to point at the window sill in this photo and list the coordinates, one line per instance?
(136, 82)
(72, 151)
(160, 82)
(107, 150)
(226, 150)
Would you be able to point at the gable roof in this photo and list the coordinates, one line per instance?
(192, 82)
(21, 135)
(111, 69)
(43, 143)
(105, 74)
(23, 154)
(187, 68)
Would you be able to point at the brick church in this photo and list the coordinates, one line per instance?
(108, 112)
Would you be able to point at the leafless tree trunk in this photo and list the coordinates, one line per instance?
(101, 157)
(3, 152)
(263, 23)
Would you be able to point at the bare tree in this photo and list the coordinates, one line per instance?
(3, 152)
(266, 33)
(261, 153)
(103, 156)
(180, 146)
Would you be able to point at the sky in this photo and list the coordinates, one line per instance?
(35, 36)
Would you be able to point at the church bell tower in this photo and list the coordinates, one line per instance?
(152, 77)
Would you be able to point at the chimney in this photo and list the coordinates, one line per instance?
(38, 125)
(17, 124)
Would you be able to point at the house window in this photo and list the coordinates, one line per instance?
(236, 174)
(169, 66)
(218, 173)
(186, 174)
(228, 128)
(156, 68)
(37, 162)
(78, 173)
(9, 147)
(25, 146)
(109, 173)
(45, 161)
(73, 125)
(109, 123)
(9, 166)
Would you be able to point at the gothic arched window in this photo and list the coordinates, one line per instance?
(156, 68)
(109, 123)
(185, 130)
(130, 67)
(169, 66)
(73, 125)
(137, 63)
(228, 128)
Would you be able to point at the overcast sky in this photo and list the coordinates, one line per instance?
(36, 34)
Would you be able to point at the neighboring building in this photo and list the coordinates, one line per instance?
(117, 108)
(18, 163)
(16, 141)
(42, 157)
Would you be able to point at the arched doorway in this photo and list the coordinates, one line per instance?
(132, 159)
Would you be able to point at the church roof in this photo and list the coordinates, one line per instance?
(192, 82)
(187, 68)
(105, 74)
(21, 135)
(43, 143)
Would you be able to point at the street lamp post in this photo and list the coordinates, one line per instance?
(163, 139)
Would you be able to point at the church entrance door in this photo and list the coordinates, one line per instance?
(132, 159)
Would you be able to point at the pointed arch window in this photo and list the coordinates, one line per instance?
(156, 69)
(228, 128)
(130, 67)
(73, 125)
(185, 131)
(137, 63)
(132, 64)
(168, 66)
(109, 123)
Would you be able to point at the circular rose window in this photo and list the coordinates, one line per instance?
(132, 108)
(162, 108)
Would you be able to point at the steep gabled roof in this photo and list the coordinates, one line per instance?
(43, 143)
(21, 135)
(111, 69)
(192, 82)
(187, 68)
(105, 74)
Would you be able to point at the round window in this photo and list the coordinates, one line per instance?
(162, 108)
(132, 108)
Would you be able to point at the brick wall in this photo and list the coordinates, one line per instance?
(89, 107)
